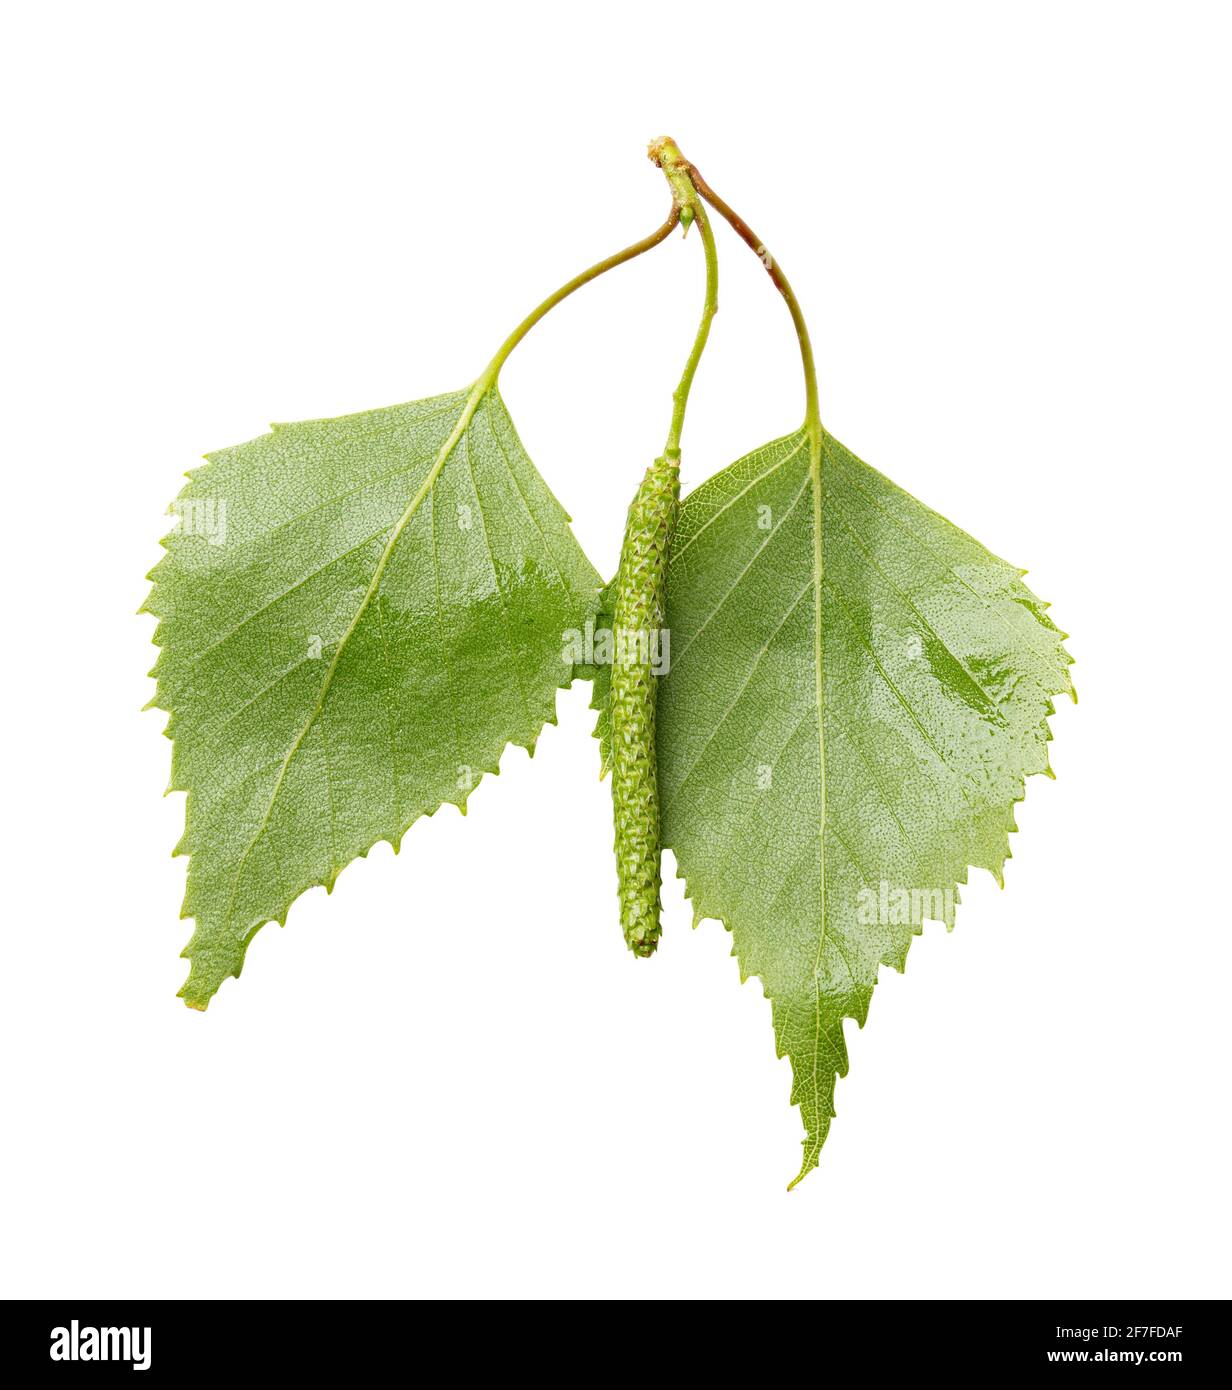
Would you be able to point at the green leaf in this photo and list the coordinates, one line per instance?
(356, 616)
(845, 727)
(601, 676)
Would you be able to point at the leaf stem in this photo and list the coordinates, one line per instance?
(680, 398)
(689, 208)
(487, 378)
(812, 414)
(492, 370)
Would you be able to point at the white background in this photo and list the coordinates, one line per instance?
(1010, 228)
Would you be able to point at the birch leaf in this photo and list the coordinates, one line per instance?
(857, 691)
(356, 616)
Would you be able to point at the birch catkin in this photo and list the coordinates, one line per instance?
(637, 622)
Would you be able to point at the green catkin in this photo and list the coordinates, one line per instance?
(637, 624)
(638, 616)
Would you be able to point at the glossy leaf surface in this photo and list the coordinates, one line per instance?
(857, 691)
(356, 616)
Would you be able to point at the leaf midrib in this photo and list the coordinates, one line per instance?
(469, 409)
(819, 688)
